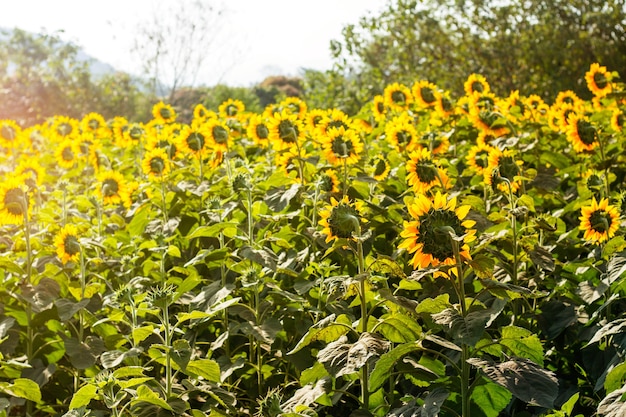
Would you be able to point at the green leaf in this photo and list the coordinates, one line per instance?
(434, 305)
(615, 378)
(142, 333)
(399, 328)
(145, 394)
(133, 382)
(67, 308)
(387, 361)
(522, 343)
(616, 244)
(491, 398)
(126, 371)
(22, 388)
(214, 230)
(205, 368)
(278, 198)
(83, 396)
(327, 330)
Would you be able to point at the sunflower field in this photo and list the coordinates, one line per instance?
(436, 254)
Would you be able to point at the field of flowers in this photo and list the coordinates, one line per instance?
(429, 256)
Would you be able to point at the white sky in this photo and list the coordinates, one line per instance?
(260, 37)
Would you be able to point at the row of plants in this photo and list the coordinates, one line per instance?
(427, 256)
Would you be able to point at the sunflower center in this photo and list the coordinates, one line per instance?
(342, 220)
(220, 134)
(110, 187)
(432, 235)
(380, 107)
(231, 110)
(71, 244)
(478, 86)
(586, 132)
(326, 183)
(8, 132)
(93, 124)
(337, 124)
(600, 79)
(341, 148)
(481, 159)
(195, 141)
(403, 137)
(157, 165)
(15, 201)
(287, 131)
(619, 120)
(165, 113)
(508, 168)
(67, 154)
(380, 167)
(446, 104)
(426, 171)
(398, 97)
(135, 132)
(261, 131)
(64, 129)
(427, 95)
(600, 221)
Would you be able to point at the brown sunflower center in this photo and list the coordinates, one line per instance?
(110, 187)
(427, 95)
(326, 183)
(403, 137)
(380, 107)
(341, 147)
(481, 159)
(478, 86)
(337, 124)
(15, 201)
(426, 171)
(288, 131)
(599, 78)
(398, 97)
(434, 237)
(446, 104)
(71, 245)
(220, 134)
(135, 132)
(586, 132)
(64, 129)
(380, 167)
(8, 132)
(195, 141)
(93, 124)
(157, 165)
(600, 221)
(165, 113)
(67, 154)
(261, 131)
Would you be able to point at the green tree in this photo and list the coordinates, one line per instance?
(534, 46)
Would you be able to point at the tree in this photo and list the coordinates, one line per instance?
(534, 46)
(174, 41)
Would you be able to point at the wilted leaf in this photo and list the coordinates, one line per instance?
(306, 395)
(278, 198)
(614, 327)
(613, 405)
(326, 330)
(83, 355)
(113, 358)
(523, 378)
(615, 269)
(341, 358)
(468, 329)
(542, 258)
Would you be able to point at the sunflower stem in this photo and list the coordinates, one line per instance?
(29, 314)
(345, 177)
(163, 202)
(606, 168)
(364, 315)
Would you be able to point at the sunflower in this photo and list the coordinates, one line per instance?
(378, 108)
(118, 126)
(194, 140)
(435, 142)
(423, 173)
(427, 235)
(444, 105)
(95, 124)
(333, 118)
(285, 130)
(401, 133)
(599, 221)
(66, 153)
(617, 120)
(598, 80)
(568, 97)
(341, 145)
(156, 164)
(294, 105)
(536, 106)
(342, 219)
(112, 188)
(10, 133)
(135, 133)
(329, 182)
(503, 168)
(163, 113)
(63, 127)
(200, 112)
(31, 170)
(397, 97)
(257, 130)
(67, 244)
(231, 108)
(313, 118)
(485, 115)
(219, 135)
(15, 201)
(378, 167)
(478, 157)
(581, 133)
(424, 94)
(476, 83)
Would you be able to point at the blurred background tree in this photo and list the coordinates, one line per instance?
(534, 46)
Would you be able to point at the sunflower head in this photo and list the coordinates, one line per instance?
(435, 222)
(328, 182)
(397, 96)
(599, 221)
(342, 145)
(285, 130)
(163, 113)
(379, 168)
(581, 133)
(155, 164)
(598, 80)
(67, 244)
(342, 219)
(476, 83)
(231, 108)
(424, 93)
(15, 202)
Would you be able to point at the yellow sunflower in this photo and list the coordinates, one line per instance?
(231, 108)
(598, 80)
(342, 219)
(397, 97)
(294, 105)
(617, 120)
(423, 173)
(313, 118)
(135, 133)
(401, 133)
(112, 189)
(156, 164)
(219, 135)
(476, 83)
(31, 170)
(329, 182)
(163, 113)
(581, 133)
(15, 201)
(64, 127)
(568, 97)
(341, 145)
(285, 130)
(478, 157)
(378, 168)
(424, 94)
(201, 113)
(67, 244)
(599, 221)
(118, 126)
(95, 124)
(10, 133)
(194, 140)
(257, 130)
(427, 235)
(67, 153)
(378, 108)
(503, 168)
(334, 118)
(444, 105)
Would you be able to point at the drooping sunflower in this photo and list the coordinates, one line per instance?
(478, 157)
(341, 145)
(598, 80)
(163, 113)
(194, 140)
(476, 83)
(378, 168)
(231, 108)
(423, 173)
(67, 153)
(427, 235)
(15, 201)
(111, 189)
(156, 164)
(599, 221)
(219, 135)
(581, 133)
(342, 219)
(258, 131)
(401, 133)
(397, 97)
(285, 131)
(67, 244)
(10, 133)
(503, 168)
(424, 93)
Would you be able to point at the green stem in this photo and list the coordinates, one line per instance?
(164, 203)
(250, 224)
(364, 315)
(168, 356)
(606, 168)
(345, 177)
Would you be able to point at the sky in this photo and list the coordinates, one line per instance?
(256, 38)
